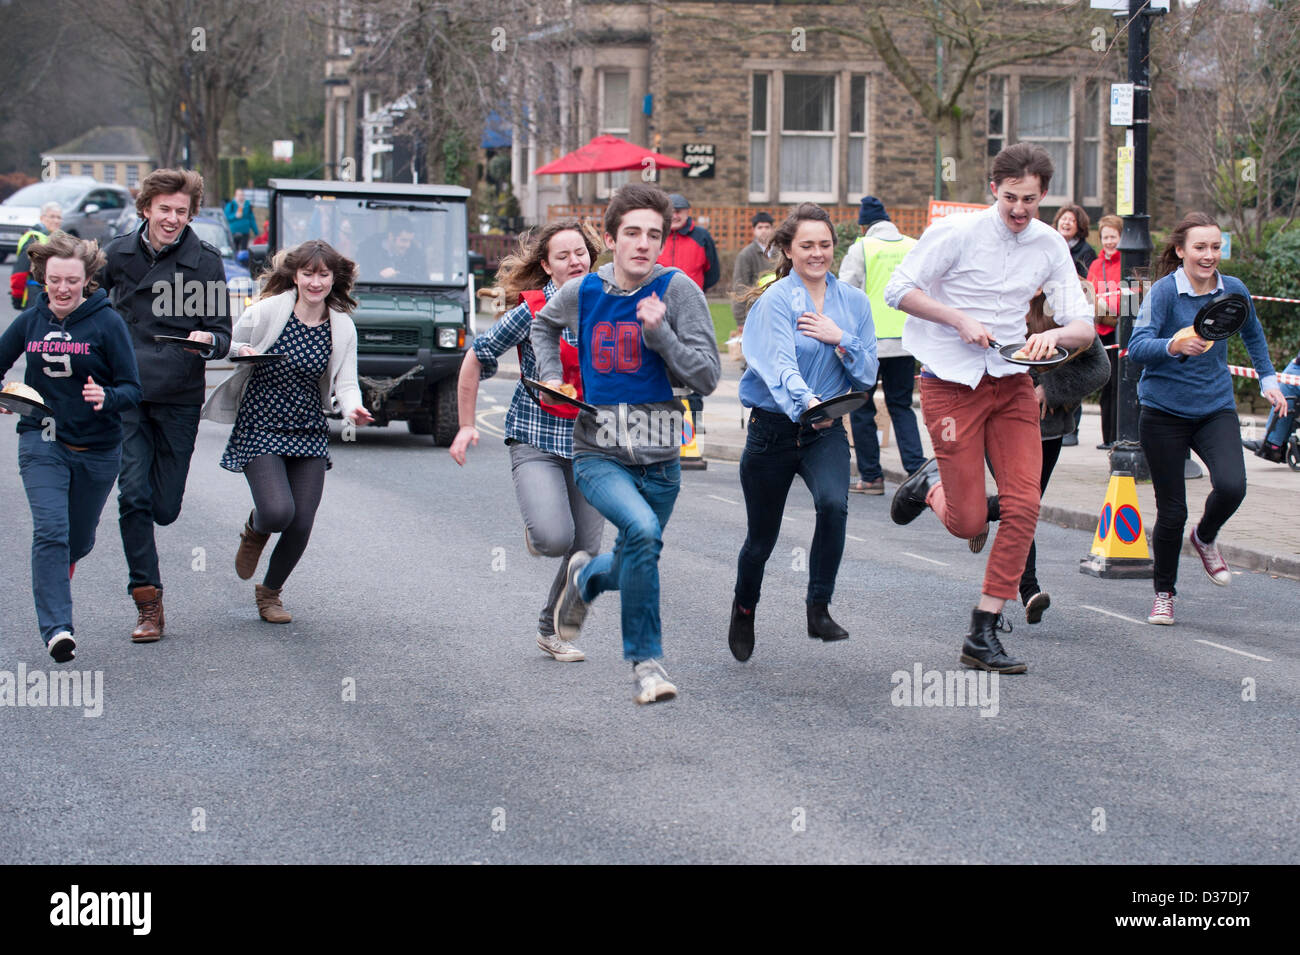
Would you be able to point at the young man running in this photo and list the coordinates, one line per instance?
(967, 283)
(640, 327)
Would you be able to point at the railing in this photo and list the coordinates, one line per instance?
(730, 225)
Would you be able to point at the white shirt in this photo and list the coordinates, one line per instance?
(974, 263)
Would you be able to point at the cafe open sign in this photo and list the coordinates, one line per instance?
(700, 159)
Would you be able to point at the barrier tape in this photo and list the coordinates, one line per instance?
(1245, 372)
(1271, 298)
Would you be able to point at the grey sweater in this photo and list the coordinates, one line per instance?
(647, 433)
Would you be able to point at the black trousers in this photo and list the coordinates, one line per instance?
(1165, 440)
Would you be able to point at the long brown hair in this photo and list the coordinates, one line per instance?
(522, 271)
(61, 245)
(1169, 260)
(783, 239)
(313, 254)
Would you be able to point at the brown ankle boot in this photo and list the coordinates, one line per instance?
(149, 626)
(269, 606)
(250, 549)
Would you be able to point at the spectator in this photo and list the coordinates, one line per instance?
(1072, 222)
(868, 265)
(690, 247)
(754, 262)
(239, 215)
(1104, 274)
(22, 287)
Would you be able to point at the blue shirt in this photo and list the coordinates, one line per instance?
(525, 421)
(788, 370)
(1202, 385)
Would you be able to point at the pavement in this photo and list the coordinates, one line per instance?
(1254, 539)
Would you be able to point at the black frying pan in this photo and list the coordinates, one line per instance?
(1220, 318)
(834, 408)
(17, 404)
(1007, 351)
(559, 397)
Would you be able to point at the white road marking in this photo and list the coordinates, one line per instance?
(1210, 643)
(1111, 613)
(724, 500)
(496, 408)
(927, 559)
(852, 538)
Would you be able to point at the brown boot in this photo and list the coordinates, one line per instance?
(250, 549)
(269, 606)
(148, 602)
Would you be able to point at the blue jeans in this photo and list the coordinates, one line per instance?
(638, 501)
(66, 490)
(776, 449)
(157, 442)
(1278, 430)
(897, 378)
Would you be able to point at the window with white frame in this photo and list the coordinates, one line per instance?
(615, 120)
(808, 138)
(88, 169)
(1044, 118)
(1090, 185)
(997, 114)
(132, 175)
(857, 183)
(110, 172)
(65, 169)
(758, 139)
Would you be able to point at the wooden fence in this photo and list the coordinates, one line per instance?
(729, 225)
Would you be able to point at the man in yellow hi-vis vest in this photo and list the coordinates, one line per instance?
(22, 287)
(868, 265)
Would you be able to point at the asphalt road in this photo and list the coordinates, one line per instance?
(233, 740)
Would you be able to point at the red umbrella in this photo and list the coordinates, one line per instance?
(608, 154)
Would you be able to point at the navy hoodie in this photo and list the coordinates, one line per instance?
(90, 342)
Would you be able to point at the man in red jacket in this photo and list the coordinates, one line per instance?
(690, 247)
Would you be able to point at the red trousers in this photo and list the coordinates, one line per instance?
(999, 419)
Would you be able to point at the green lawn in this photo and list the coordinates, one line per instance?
(723, 322)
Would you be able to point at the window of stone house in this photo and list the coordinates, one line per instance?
(110, 172)
(997, 114)
(857, 136)
(758, 139)
(808, 136)
(1092, 132)
(615, 120)
(1044, 118)
(88, 169)
(132, 175)
(65, 169)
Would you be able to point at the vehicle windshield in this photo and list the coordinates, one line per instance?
(39, 193)
(393, 241)
(214, 234)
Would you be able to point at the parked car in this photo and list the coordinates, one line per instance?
(415, 303)
(91, 209)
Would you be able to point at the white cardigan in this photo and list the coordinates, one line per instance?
(259, 326)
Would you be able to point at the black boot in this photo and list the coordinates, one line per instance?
(909, 499)
(983, 650)
(822, 627)
(740, 637)
(995, 508)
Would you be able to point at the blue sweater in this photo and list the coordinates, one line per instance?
(1202, 385)
(90, 342)
(789, 370)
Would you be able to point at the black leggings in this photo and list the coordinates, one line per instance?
(286, 493)
(1165, 440)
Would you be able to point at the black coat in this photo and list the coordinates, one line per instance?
(144, 291)
(1066, 385)
(1082, 254)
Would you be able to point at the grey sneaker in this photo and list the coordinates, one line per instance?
(564, 652)
(62, 647)
(652, 683)
(571, 610)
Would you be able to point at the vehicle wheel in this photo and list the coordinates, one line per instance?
(1293, 453)
(446, 413)
(420, 423)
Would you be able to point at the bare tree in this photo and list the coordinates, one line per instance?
(1233, 117)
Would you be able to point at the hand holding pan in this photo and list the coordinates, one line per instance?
(1014, 354)
(555, 396)
(22, 399)
(833, 408)
(1219, 318)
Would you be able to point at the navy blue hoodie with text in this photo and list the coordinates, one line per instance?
(91, 342)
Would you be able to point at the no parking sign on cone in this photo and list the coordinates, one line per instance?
(1119, 545)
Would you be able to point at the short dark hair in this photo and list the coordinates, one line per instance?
(165, 182)
(1023, 159)
(762, 217)
(635, 196)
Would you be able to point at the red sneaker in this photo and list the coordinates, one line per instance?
(1216, 568)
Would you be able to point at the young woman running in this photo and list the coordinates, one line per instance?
(280, 440)
(558, 520)
(1190, 403)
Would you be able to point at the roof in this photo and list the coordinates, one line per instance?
(125, 142)
(338, 187)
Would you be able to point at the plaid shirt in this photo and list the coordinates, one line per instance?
(525, 421)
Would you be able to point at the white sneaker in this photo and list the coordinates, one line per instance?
(564, 652)
(652, 683)
(1162, 612)
(62, 647)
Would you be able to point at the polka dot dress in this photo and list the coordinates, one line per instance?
(281, 409)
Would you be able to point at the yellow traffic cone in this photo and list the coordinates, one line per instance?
(1119, 545)
(690, 456)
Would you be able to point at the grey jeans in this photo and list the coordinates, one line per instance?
(557, 517)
